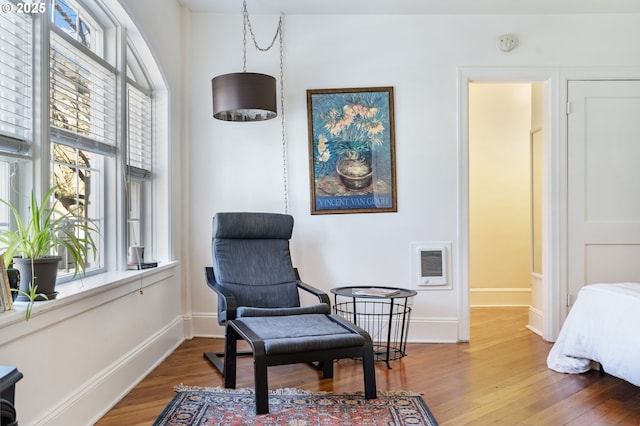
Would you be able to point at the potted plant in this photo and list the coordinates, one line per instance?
(31, 245)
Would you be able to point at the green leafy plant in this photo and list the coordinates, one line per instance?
(32, 295)
(45, 231)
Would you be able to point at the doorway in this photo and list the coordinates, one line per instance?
(502, 118)
(505, 128)
(543, 299)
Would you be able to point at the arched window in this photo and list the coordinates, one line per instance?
(88, 130)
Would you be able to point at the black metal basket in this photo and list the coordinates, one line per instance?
(386, 322)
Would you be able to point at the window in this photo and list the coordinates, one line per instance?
(82, 97)
(82, 110)
(139, 162)
(78, 182)
(90, 120)
(15, 84)
(16, 71)
(72, 20)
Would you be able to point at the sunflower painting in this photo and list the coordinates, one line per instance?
(351, 150)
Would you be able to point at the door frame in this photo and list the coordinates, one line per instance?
(553, 191)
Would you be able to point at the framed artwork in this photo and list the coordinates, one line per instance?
(351, 150)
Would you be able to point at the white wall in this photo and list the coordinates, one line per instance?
(237, 166)
(80, 355)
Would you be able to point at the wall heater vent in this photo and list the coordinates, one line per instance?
(430, 266)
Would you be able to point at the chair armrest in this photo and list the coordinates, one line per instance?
(229, 300)
(322, 296)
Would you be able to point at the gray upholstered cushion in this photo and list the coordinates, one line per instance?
(301, 333)
(252, 225)
(247, 311)
(251, 258)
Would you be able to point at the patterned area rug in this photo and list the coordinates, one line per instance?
(293, 407)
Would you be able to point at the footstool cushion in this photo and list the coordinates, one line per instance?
(300, 333)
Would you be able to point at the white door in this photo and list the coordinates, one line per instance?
(603, 183)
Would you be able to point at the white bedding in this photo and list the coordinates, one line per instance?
(602, 326)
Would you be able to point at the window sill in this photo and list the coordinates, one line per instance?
(104, 287)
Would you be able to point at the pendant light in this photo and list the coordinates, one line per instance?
(246, 96)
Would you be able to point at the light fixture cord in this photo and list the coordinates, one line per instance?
(245, 18)
(285, 167)
(277, 36)
(247, 23)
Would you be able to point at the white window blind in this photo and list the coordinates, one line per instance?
(5, 194)
(15, 83)
(139, 132)
(83, 103)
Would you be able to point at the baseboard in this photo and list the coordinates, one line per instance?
(433, 330)
(421, 329)
(205, 324)
(88, 403)
(535, 320)
(492, 297)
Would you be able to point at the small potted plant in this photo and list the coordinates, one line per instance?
(35, 241)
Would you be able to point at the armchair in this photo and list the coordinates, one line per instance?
(259, 302)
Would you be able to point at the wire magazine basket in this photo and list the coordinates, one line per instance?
(387, 322)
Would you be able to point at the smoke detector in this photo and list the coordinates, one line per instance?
(507, 42)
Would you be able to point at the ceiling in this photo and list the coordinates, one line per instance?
(415, 7)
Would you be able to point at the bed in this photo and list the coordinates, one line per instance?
(601, 328)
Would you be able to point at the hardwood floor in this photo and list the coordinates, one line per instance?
(499, 378)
